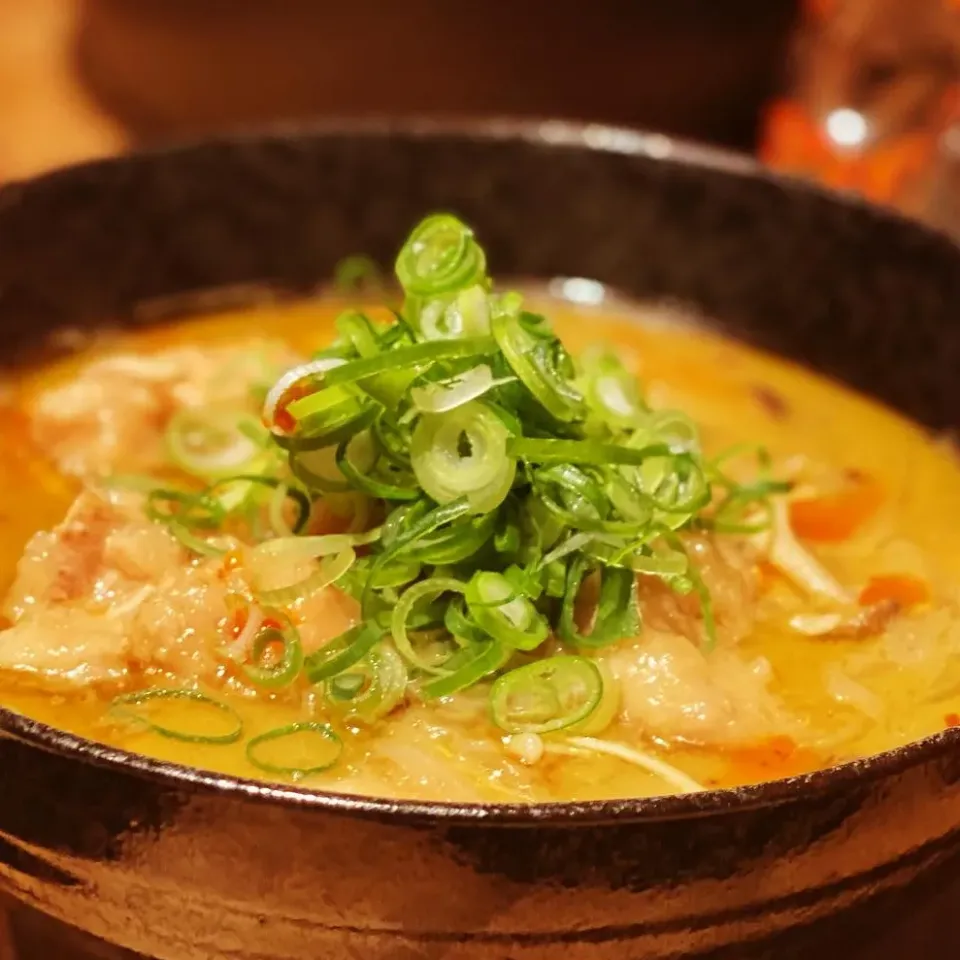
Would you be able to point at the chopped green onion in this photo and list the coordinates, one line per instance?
(427, 589)
(371, 688)
(476, 662)
(617, 616)
(463, 454)
(444, 396)
(466, 315)
(612, 393)
(162, 707)
(296, 750)
(282, 671)
(343, 652)
(318, 470)
(549, 695)
(419, 354)
(496, 609)
(379, 484)
(510, 484)
(290, 492)
(441, 256)
(292, 382)
(208, 442)
(588, 452)
(535, 362)
(434, 520)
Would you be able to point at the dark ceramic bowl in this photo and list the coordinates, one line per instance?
(101, 848)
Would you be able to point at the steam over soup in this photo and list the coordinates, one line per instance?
(428, 554)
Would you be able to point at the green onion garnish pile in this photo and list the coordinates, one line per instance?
(514, 497)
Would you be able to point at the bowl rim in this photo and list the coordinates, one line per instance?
(595, 137)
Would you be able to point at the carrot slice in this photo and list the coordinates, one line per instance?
(768, 576)
(835, 517)
(905, 590)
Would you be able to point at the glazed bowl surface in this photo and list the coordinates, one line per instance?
(110, 855)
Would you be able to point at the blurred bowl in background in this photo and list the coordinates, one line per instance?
(175, 68)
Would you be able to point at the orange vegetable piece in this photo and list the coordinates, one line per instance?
(903, 589)
(951, 720)
(835, 517)
(767, 575)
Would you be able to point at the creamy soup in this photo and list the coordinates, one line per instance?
(472, 570)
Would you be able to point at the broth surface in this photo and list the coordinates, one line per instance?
(846, 696)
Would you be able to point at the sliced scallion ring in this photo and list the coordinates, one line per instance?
(297, 750)
(427, 589)
(371, 688)
(161, 707)
(326, 573)
(546, 696)
(440, 256)
(209, 442)
(463, 454)
(497, 609)
(292, 385)
(533, 361)
(343, 652)
(474, 663)
(285, 668)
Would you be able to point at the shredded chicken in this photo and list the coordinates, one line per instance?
(111, 416)
(796, 562)
(867, 622)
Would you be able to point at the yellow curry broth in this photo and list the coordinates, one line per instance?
(737, 395)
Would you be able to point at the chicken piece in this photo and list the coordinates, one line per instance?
(179, 626)
(108, 591)
(103, 552)
(78, 585)
(673, 691)
(184, 625)
(727, 567)
(112, 415)
(65, 645)
(324, 616)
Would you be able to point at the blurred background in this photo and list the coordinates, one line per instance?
(860, 94)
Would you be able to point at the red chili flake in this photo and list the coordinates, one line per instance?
(952, 720)
(283, 419)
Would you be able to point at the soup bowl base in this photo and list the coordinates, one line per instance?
(902, 924)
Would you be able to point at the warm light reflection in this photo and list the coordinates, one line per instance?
(578, 290)
(847, 127)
